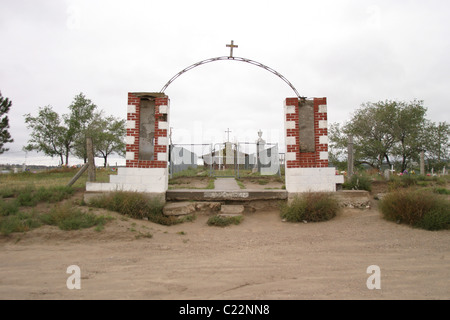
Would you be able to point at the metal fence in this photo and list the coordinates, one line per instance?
(225, 159)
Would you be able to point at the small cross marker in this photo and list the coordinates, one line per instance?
(228, 132)
(231, 46)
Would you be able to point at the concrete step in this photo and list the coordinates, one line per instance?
(216, 195)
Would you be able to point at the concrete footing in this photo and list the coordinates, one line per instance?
(147, 180)
(219, 195)
(312, 180)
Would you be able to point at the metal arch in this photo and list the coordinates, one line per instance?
(255, 63)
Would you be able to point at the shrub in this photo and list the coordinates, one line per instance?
(416, 207)
(221, 221)
(131, 204)
(312, 207)
(358, 182)
(135, 205)
(436, 219)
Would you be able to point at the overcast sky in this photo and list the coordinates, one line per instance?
(348, 51)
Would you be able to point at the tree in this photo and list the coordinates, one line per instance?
(60, 136)
(109, 137)
(371, 128)
(337, 147)
(408, 130)
(5, 136)
(82, 114)
(48, 135)
(383, 132)
(437, 144)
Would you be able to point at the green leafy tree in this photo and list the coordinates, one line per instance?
(371, 128)
(408, 127)
(49, 134)
(61, 136)
(79, 122)
(437, 145)
(337, 147)
(5, 136)
(382, 133)
(109, 137)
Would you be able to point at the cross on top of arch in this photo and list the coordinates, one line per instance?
(231, 46)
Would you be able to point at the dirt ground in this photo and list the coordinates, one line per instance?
(262, 258)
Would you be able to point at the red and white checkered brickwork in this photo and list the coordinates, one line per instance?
(308, 171)
(161, 133)
(295, 158)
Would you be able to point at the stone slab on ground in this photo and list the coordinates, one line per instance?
(232, 209)
(208, 205)
(179, 208)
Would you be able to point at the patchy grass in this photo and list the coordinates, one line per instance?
(210, 184)
(8, 208)
(67, 217)
(30, 196)
(197, 183)
(441, 190)
(358, 182)
(19, 222)
(220, 221)
(200, 171)
(188, 218)
(263, 181)
(240, 184)
(147, 235)
(310, 207)
(46, 178)
(410, 180)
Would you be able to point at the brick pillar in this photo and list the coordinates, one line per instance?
(160, 152)
(299, 154)
(145, 171)
(306, 135)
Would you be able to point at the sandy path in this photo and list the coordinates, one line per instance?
(262, 258)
